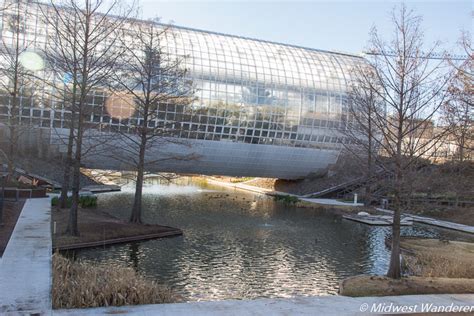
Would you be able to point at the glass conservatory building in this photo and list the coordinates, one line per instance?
(261, 109)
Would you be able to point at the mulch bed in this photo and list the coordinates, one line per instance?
(98, 228)
(11, 212)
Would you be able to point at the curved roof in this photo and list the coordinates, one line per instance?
(229, 57)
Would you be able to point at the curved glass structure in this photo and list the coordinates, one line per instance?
(261, 109)
(261, 92)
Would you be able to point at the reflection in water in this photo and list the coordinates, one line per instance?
(133, 251)
(238, 245)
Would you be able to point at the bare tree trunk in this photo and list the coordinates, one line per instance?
(67, 167)
(136, 216)
(394, 270)
(72, 228)
(461, 148)
(368, 193)
(14, 112)
(12, 150)
(368, 187)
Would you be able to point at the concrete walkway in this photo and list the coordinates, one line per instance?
(25, 268)
(251, 188)
(435, 222)
(332, 202)
(316, 305)
(244, 187)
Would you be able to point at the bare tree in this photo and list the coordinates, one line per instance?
(413, 88)
(360, 128)
(84, 48)
(458, 110)
(153, 76)
(15, 78)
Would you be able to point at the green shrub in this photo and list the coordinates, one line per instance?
(54, 201)
(287, 199)
(85, 201)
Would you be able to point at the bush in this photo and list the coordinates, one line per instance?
(287, 199)
(82, 284)
(85, 201)
(55, 201)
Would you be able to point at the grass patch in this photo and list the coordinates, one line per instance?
(83, 284)
(85, 201)
(435, 258)
(367, 285)
(287, 199)
(435, 267)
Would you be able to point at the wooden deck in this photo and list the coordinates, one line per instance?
(378, 220)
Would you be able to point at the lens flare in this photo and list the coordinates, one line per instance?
(120, 105)
(31, 61)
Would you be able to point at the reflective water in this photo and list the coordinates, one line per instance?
(239, 245)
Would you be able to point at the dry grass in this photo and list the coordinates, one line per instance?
(434, 258)
(438, 267)
(82, 284)
(367, 285)
(433, 265)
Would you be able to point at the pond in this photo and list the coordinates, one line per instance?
(238, 245)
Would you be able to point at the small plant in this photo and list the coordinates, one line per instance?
(85, 201)
(55, 201)
(287, 199)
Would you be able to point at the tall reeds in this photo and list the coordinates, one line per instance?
(83, 284)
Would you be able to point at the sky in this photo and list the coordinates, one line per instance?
(328, 25)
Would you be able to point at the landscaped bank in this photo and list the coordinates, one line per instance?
(99, 228)
(432, 266)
